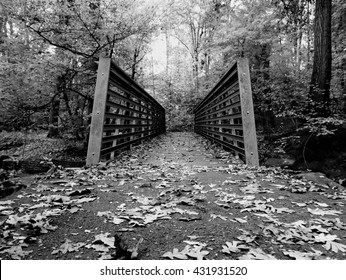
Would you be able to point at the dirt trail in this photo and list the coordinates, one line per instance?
(176, 197)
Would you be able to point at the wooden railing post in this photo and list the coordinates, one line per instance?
(124, 114)
(226, 115)
(98, 114)
(248, 116)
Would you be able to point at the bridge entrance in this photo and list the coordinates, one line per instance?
(124, 114)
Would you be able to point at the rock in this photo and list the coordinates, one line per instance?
(319, 178)
(282, 161)
(2, 158)
(3, 175)
(8, 187)
(10, 164)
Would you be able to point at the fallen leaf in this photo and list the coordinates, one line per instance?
(302, 255)
(118, 221)
(2, 208)
(257, 254)
(84, 199)
(196, 252)
(334, 246)
(240, 220)
(300, 204)
(175, 254)
(324, 212)
(98, 247)
(6, 202)
(218, 216)
(190, 242)
(105, 239)
(16, 252)
(321, 204)
(125, 229)
(283, 209)
(193, 237)
(68, 246)
(233, 247)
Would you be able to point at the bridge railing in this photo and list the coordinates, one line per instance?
(123, 114)
(226, 114)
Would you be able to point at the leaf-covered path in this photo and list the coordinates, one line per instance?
(176, 197)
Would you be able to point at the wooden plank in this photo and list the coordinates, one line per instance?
(248, 116)
(98, 115)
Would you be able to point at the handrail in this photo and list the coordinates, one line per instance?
(123, 114)
(226, 114)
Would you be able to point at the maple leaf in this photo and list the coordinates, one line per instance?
(251, 189)
(334, 246)
(2, 208)
(105, 255)
(240, 220)
(58, 199)
(40, 205)
(319, 228)
(233, 247)
(218, 216)
(73, 210)
(190, 242)
(15, 219)
(300, 204)
(195, 252)
(68, 246)
(7, 202)
(104, 239)
(175, 254)
(298, 223)
(71, 184)
(321, 204)
(85, 199)
(302, 255)
(99, 247)
(125, 229)
(283, 209)
(324, 212)
(325, 238)
(118, 221)
(16, 252)
(257, 254)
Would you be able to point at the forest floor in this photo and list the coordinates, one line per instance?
(176, 197)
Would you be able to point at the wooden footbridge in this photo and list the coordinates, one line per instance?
(124, 114)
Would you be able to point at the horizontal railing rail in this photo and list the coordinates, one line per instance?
(226, 114)
(124, 114)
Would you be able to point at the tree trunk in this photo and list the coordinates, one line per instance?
(343, 82)
(53, 131)
(195, 71)
(322, 65)
(54, 112)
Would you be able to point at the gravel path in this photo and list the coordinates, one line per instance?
(176, 197)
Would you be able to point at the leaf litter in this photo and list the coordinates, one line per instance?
(158, 200)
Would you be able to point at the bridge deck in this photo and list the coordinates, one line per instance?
(173, 192)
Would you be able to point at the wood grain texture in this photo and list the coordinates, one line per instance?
(248, 116)
(98, 114)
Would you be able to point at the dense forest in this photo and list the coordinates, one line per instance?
(177, 50)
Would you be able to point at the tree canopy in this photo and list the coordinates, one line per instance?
(49, 52)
